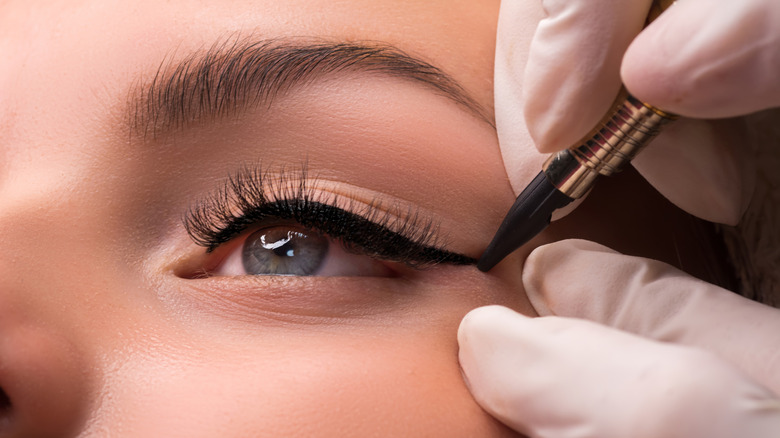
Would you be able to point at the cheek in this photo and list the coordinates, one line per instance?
(321, 386)
(394, 375)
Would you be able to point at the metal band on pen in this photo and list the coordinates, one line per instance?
(625, 131)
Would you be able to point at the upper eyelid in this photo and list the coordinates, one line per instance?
(254, 185)
(248, 195)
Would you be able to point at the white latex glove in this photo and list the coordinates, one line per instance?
(701, 58)
(681, 358)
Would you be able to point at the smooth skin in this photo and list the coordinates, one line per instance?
(103, 329)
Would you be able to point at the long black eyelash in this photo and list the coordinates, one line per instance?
(251, 197)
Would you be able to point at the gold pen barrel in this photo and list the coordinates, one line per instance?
(625, 131)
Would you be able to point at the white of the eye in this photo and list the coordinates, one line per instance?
(340, 263)
(233, 263)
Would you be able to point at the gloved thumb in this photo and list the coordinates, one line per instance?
(559, 377)
(573, 70)
(582, 279)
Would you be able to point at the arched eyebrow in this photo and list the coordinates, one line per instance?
(237, 74)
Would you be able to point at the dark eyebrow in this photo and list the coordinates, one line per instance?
(237, 74)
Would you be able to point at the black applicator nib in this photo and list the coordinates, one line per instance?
(529, 215)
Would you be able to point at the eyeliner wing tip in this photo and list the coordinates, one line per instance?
(505, 242)
(486, 262)
(529, 215)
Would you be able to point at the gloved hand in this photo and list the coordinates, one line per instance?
(680, 358)
(675, 357)
(700, 58)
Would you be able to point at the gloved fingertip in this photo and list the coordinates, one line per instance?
(667, 85)
(491, 346)
(572, 74)
(543, 265)
(551, 128)
(483, 322)
(560, 110)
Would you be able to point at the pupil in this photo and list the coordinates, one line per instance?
(284, 251)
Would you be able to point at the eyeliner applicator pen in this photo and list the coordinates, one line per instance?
(571, 173)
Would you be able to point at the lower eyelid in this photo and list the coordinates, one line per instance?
(309, 300)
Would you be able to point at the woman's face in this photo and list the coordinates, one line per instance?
(120, 124)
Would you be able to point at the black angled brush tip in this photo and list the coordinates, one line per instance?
(529, 215)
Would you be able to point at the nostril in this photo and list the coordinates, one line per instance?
(5, 409)
(5, 402)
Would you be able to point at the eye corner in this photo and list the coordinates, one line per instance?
(201, 262)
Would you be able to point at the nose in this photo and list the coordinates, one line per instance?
(43, 378)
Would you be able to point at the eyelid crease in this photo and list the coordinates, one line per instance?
(252, 196)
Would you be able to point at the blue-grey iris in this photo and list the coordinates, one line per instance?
(283, 250)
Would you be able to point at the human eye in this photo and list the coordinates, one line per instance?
(290, 249)
(283, 224)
